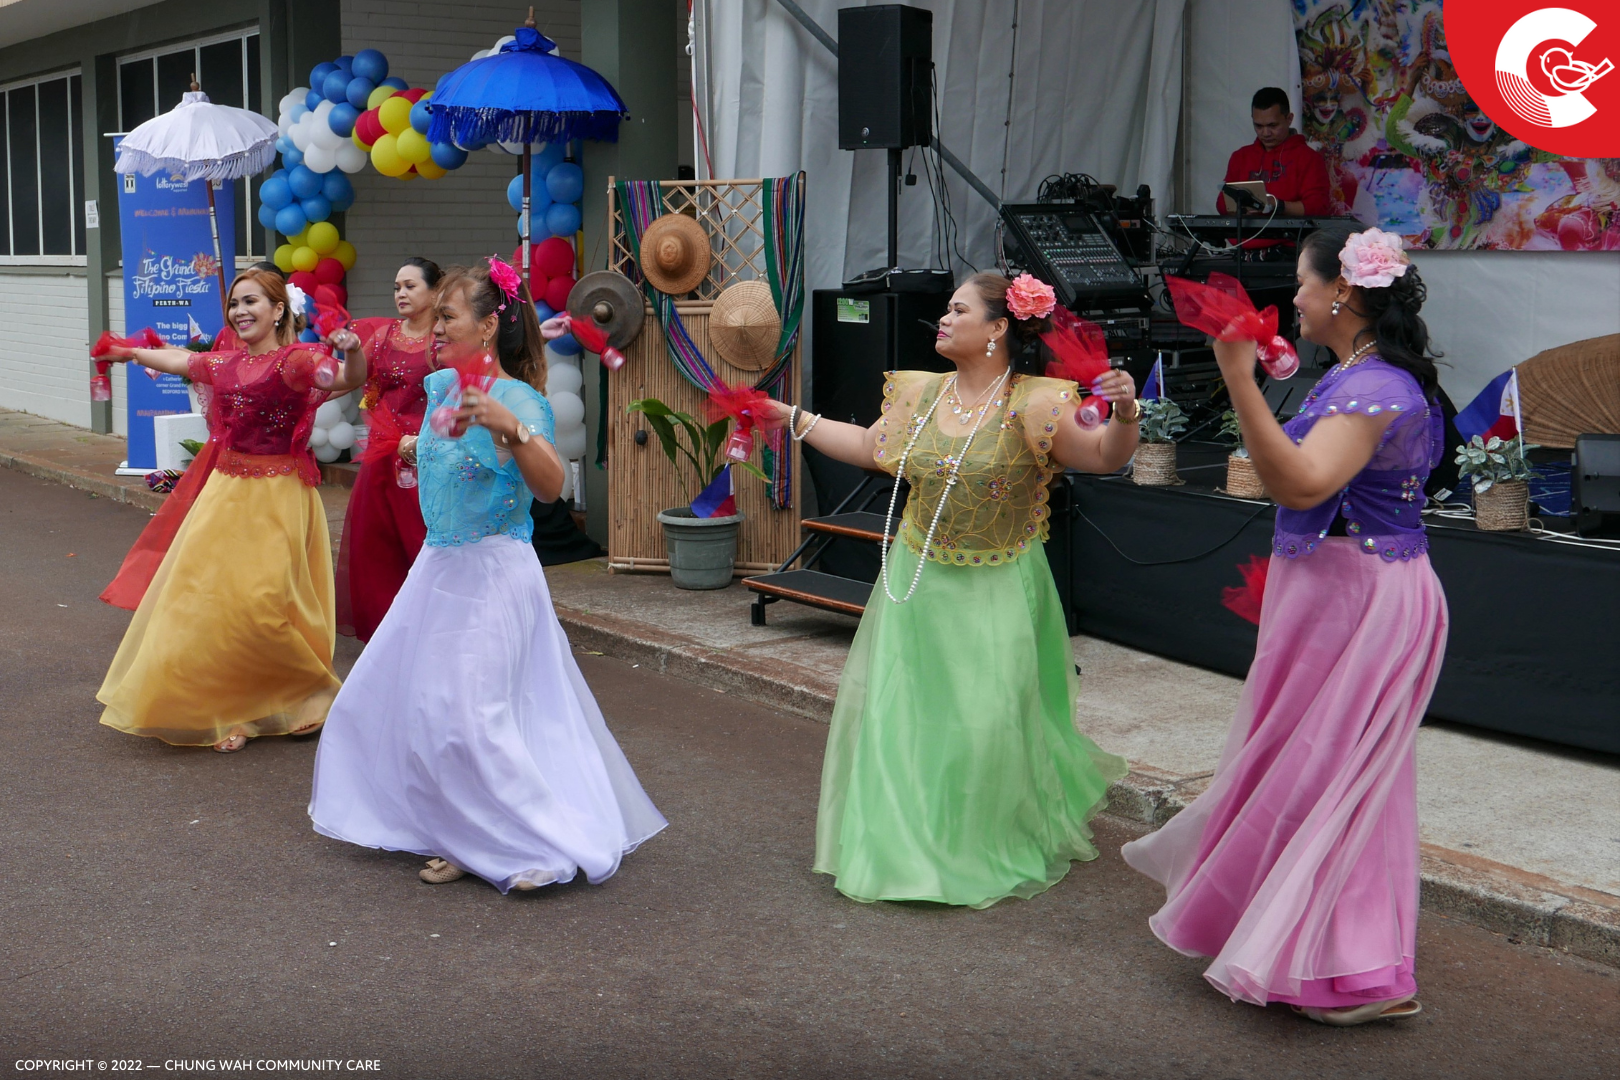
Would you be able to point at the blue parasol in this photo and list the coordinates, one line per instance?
(525, 94)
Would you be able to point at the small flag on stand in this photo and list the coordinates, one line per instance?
(719, 499)
(194, 332)
(1154, 387)
(1494, 411)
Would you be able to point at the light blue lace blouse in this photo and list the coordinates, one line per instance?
(469, 490)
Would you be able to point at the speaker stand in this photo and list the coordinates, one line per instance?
(894, 208)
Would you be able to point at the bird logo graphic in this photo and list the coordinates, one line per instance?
(1544, 42)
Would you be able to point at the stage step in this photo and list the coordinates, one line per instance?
(826, 591)
(860, 525)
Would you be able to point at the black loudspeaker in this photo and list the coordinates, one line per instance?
(859, 336)
(885, 75)
(1595, 484)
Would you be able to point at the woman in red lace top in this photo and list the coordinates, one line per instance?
(234, 636)
(383, 530)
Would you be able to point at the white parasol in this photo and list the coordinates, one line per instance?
(198, 140)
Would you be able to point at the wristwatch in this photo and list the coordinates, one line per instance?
(523, 436)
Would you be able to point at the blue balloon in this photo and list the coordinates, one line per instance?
(514, 192)
(292, 159)
(316, 208)
(370, 64)
(543, 310)
(338, 190)
(346, 62)
(341, 119)
(566, 182)
(359, 92)
(549, 157)
(420, 117)
(267, 215)
(282, 173)
(275, 193)
(296, 113)
(336, 87)
(313, 99)
(282, 142)
(566, 345)
(562, 219)
(304, 182)
(318, 73)
(448, 155)
(290, 220)
(396, 82)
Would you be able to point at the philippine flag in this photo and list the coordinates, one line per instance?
(194, 331)
(718, 499)
(1154, 386)
(1495, 411)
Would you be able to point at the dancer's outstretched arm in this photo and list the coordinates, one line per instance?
(849, 443)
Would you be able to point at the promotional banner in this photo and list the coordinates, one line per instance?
(1412, 149)
(170, 284)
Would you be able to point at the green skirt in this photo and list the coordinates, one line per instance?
(954, 772)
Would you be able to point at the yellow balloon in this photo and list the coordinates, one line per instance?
(380, 95)
(413, 146)
(283, 258)
(323, 238)
(429, 169)
(410, 174)
(299, 240)
(358, 141)
(395, 114)
(385, 157)
(345, 254)
(305, 258)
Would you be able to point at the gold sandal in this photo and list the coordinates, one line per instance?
(438, 872)
(1361, 1014)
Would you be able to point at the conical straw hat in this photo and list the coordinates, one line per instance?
(744, 325)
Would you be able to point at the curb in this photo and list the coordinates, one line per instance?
(95, 485)
(1527, 908)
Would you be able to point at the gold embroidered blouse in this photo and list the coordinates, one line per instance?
(998, 507)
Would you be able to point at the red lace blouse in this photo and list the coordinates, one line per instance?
(261, 408)
(396, 365)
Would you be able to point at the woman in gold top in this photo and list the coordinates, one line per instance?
(954, 772)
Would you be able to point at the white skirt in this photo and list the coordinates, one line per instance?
(467, 732)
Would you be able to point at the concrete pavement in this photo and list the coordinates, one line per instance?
(173, 905)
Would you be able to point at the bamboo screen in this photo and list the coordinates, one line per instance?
(641, 481)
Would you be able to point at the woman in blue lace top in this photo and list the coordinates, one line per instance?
(466, 731)
(1297, 870)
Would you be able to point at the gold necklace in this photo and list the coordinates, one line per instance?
(964, 412)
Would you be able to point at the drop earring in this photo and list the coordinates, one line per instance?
(1336, 306)
(990, 349)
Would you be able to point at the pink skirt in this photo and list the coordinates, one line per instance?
(1297, 870)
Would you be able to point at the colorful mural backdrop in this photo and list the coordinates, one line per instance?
(1409, 151)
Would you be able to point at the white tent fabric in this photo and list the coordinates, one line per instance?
(1095, 87)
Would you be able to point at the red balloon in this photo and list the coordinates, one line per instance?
(557, 290)
(553, 257)
(339, 294)
(369, 127)
(329, 271)
(414, 94)
(304, 280)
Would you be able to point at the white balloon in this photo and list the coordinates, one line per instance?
(284, 124)
(562, 379)
(299, 134)
(553, 357)
(320, 159)
(317, 437)
(351, 407)
(567, 410)
(571, 444)
(327, 453)
(330, 412)
(508, 39)
(350, 158)
(506, 147)
(297, 112)
(480, 54)
(341, 435)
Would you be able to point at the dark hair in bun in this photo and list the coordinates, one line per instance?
(1401, 336)
(1024, 335)
(430, 270)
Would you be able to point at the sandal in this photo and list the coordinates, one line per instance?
(1360, 1014)
(310, 730)
(438, 871)
(230, 744)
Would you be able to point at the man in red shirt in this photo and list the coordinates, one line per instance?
(1295, 175)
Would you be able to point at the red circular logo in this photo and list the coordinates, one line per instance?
(1547, 73)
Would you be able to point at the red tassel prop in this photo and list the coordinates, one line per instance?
(749, 408)
(330, 314)
(147, 338)
(1245, 601)
(475, 369)
(1080, 350)
(1223, 310)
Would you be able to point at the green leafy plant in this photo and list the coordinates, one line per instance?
(691, 446)
(191, 446)
(1232, 432)
(1162, 420)
(1487, 463)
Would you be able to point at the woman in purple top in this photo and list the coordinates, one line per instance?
(1297, 870)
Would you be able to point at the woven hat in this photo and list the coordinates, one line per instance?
(675, 254)
(744, 326)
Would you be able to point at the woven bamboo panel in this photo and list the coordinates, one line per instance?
(641, 480)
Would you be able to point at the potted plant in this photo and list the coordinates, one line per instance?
(1162, 420)
(702, 550)
(1500, 475)
(1242, 479)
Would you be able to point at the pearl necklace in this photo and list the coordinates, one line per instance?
(950, 482)
(986, 405)
(1357, 357)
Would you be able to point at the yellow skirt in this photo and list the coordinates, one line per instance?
(235, 634)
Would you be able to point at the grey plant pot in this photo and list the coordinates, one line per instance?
(702, 551)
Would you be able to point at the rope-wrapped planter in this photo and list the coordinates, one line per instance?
(1155, 465)
(1503, 507)
(1243, 479)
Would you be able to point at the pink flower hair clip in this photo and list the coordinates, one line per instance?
(1374, 259)
(1030, 298)
(506, 278)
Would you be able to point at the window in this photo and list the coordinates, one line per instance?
(227, 69)
(41, 185)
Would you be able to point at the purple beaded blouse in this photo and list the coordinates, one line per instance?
(1382, 505)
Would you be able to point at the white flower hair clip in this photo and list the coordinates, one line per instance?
(1374, 259)
(297, 299)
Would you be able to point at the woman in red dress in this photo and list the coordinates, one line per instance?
(383, 530)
